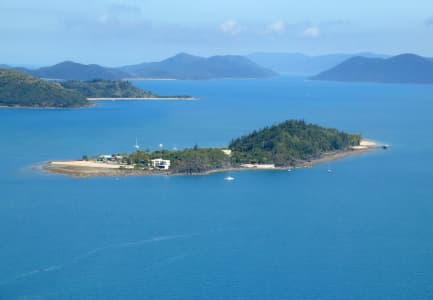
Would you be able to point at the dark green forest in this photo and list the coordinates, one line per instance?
(187, 161)
(284, 144)
(17, 89)
(289, 141)
(106, 89)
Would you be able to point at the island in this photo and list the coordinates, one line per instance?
(184, 66)
(288, 145)
(402, 69)
(24, 91)
(19, 90)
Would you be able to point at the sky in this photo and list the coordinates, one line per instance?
(122, 32)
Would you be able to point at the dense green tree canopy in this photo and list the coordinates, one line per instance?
(107, 89)
(284, 144)
(17, 89)
(289, 141)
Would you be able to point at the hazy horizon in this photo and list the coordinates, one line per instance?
(124, 32)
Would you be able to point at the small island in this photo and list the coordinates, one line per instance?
(288, 145)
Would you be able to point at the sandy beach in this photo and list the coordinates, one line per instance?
(86, 169)
(88, 164)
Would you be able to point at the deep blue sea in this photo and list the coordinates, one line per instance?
(364, 231)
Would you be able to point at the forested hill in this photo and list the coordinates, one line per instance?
(186, 66)
(289, 141)
(284, 145)
(405, 68)
(17, 89)
(107, 89)
(69, 70)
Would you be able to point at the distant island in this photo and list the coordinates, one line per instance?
(291, 144)
(301, 64)
(405, 68)
(20, 90)
(181, 66)
(186, 66)
(69, 70)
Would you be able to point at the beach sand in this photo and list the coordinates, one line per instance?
(85, 169)
(88, 164)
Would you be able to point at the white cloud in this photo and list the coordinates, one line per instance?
(120, 14)
(311, 32)
(277, 27)
(231, 27)
(124, 11)
(103, 19)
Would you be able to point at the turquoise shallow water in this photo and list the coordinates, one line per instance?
(363, 232)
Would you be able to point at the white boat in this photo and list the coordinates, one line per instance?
(229, 178)
(329, 171)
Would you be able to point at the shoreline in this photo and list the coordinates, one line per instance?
(93, 103)
(146, 99)
(147, 78)
(86, 169)
(90, 105)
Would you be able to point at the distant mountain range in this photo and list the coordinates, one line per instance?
(181, 66)
(300, 64)
(186, 66)
(405, 68)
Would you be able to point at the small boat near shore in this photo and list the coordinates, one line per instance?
(229, 178)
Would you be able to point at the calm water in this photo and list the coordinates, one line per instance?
(363, 232)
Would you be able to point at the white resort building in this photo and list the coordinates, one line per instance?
(159, 163)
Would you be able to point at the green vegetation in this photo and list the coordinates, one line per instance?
(197, 160)
(106, 89)
(21, 90)
(17, 89)
(284, 144)
(187, 161)
(288, 142)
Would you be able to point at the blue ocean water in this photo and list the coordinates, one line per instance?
(364, 231)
